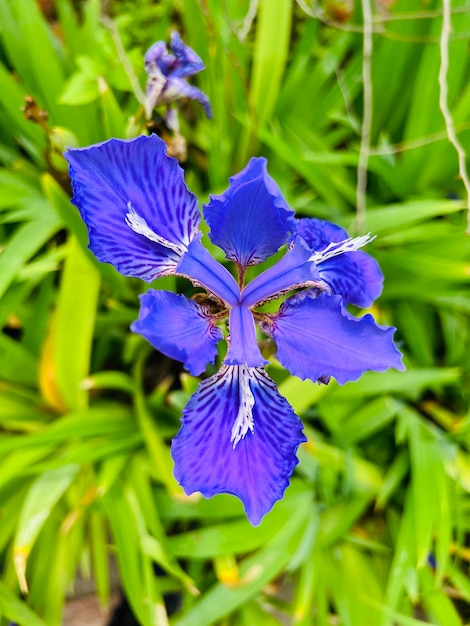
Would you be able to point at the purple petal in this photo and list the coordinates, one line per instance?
(178, 89)
(238, 436)
(354, 275)
(183, 62)
(317, 338)
(178, 327)
(132, 197)
(317, 234)
(251, 220)
(243, 348)
(157, 60)
(294, 270)
(201, 268)
(188, 62)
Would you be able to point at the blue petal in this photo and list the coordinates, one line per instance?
(178, 327)
(183, 62)
(317, 338)
(354, 275)
(201, 268)
(178, 89)
(188, 62)
(258, 467)
(243, 348)
(294, 270)
(251, 220)
(132, 197)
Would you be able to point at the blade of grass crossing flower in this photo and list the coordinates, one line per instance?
(75, 314)
(41, 499)
(270, 56)
(12, 608)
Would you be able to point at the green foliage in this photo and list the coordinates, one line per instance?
(374, 527)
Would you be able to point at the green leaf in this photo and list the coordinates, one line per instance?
(270, 55)
(75, 314)
(16, 610)
(25, 242)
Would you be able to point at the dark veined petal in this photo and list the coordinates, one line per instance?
(317, 234)
(354, 275)
(294, 270)
(317, 338)
(178, 327)
(238, 436)
(251, 220)
(200, 267)
(187, 61)
(140, 215)
(243, 348)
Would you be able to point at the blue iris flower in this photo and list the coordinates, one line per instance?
(167, 74)
(238, 434)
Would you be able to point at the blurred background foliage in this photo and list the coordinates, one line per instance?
(374, 529)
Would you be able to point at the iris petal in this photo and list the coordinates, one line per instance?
(317, 338)
(354, 275)
(119, 178)
(243, 348)
(200, 267)
(258, 467)
(178, 327)
(188, 61)
(178, 88)
(292, 271)
(251, 220)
